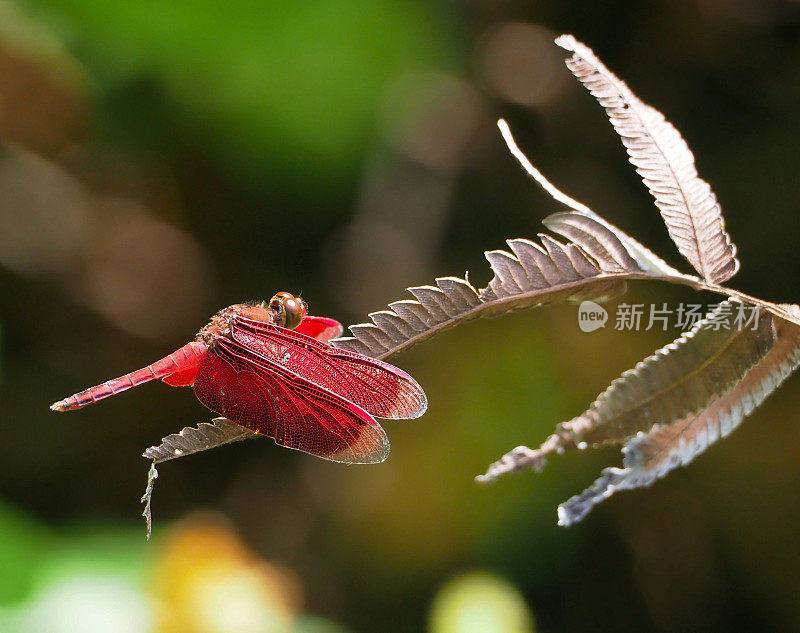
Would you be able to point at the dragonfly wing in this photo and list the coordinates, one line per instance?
(269, 399)
(184, 378)
(379, 388)
(321, 328)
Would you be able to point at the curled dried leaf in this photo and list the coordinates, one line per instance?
(147, 498)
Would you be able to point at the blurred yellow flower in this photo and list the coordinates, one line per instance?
(479, 602)
(207, 581)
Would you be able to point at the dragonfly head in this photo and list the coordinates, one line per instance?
(287, 310)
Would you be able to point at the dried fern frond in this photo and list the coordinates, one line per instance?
(672, 405)
(678, 381)
(665, 163)
(188, 441)
(192, 440)
(646, 259)
(650, 456)
(594, 264)
(434, 309)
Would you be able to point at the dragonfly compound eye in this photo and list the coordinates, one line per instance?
(295, 309)
(287, 310)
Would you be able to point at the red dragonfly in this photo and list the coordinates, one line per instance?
(269, 368)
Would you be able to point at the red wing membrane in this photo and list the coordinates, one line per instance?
(321, 328)
(183, 378)
(379, 388)
(268, 398)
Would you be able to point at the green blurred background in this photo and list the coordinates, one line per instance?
(161, 160)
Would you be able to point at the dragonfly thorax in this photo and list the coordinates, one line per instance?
(284, 309)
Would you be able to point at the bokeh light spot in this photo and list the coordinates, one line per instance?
(519, 63)
(479, 602)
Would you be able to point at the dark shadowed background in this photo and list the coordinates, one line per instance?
(161, 160)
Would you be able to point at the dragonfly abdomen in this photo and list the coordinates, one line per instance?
(182, 360)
